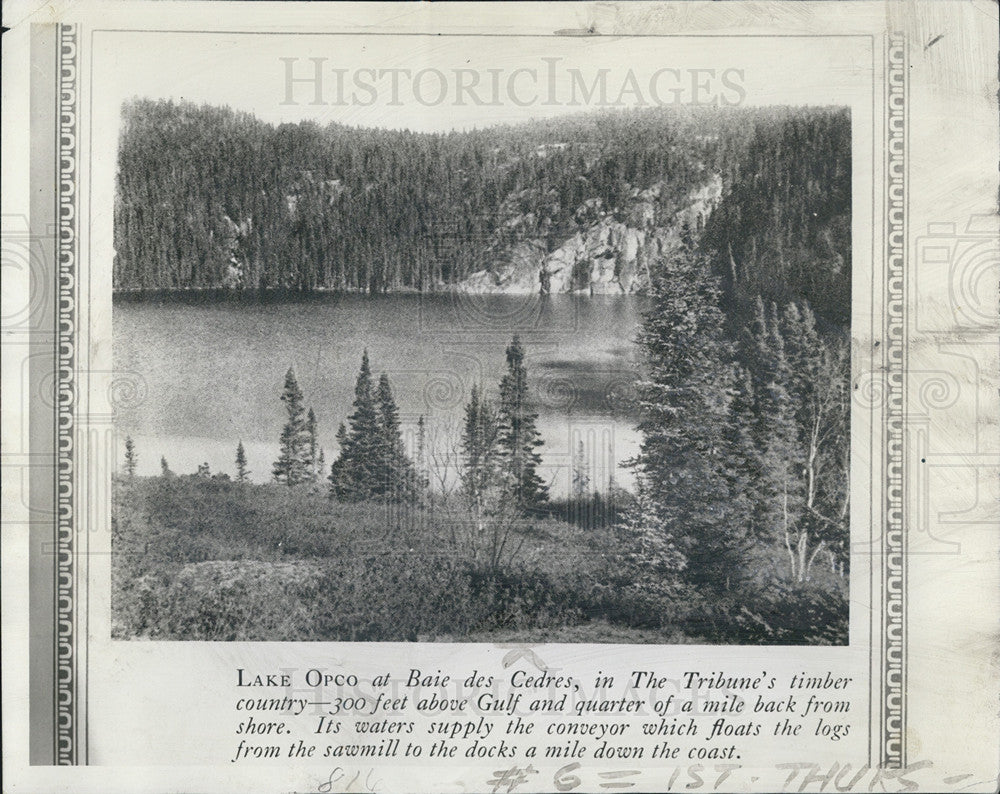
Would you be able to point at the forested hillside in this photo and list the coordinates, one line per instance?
(210, 198)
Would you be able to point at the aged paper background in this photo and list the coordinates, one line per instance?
(159, 716)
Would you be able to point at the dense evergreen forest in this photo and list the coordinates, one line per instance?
(210, 198)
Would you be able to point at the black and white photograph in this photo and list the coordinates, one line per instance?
(580, 378)
(503, 396)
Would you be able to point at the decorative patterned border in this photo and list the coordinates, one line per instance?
(894, 539)
(67, 745)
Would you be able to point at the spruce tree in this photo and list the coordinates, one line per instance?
(164, 467)
(290, 467)
(581, 472)
(131, 457)
(339, 470)
(819, 390)
(519, 439)
(782, 454)
(396, 475)
(355, 473)
(311, 458)
(423, 480)
(744, 469)
(763, 401)
(480, 447)
(684, 491)
(794, 433)
(242, 472)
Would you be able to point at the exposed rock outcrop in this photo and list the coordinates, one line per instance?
(610, 255)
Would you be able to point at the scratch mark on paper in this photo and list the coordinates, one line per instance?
(933, 41)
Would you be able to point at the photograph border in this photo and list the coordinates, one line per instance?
(69, 674)
(68, 719)
(894, 560)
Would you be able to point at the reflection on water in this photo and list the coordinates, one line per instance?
(213, 372)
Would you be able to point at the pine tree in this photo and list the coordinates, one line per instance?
(242, 473)
(131, 457)
(684, 491)
(354, 475)
(519, 439)
(290, 468)
(164, 468)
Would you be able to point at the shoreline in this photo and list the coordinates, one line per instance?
(221, 295)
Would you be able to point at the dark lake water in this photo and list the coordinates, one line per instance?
(208, 375)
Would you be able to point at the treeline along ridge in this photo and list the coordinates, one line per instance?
(210, 198)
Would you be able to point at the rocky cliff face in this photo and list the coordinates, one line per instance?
(611, 252)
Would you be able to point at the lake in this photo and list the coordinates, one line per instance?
(210, 373)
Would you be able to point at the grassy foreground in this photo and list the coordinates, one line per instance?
(210, 559)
